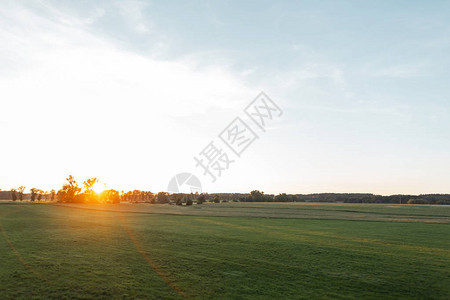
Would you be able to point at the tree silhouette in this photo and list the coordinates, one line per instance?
(162, 197)
(34, 192)
(40, 194)
(52, 195)
(69, 191)
(13, 194)
(20, 191)
(89, 194)
(201, 199)
(89, 183)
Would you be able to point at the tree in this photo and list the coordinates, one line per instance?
(13, 194)
(151, 197)
(136, 195)
(285, 198)
(416, 201)
(70, 191)
(89, 194)
(89, 183)
(52, 195)
(20, 191)
(114, 196)
(40, 193)
(110, 196)
(216, 199)
(162, 197)
(189, 202)
(34, 193)
(201, 199)
(257, 196)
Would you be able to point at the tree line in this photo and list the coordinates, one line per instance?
(439, 199)
(72, 192)
(34, 195)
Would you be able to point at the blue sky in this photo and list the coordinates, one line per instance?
(130, 91)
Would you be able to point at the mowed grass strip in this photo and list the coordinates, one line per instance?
(344, 211)
(99, 254)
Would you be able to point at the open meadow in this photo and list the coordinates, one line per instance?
(225, 251)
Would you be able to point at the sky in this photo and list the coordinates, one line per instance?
(131, 91)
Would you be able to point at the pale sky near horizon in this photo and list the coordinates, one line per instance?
(131, 91)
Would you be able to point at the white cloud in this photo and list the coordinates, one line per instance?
(77, 104)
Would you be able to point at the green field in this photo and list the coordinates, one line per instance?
(225, 251)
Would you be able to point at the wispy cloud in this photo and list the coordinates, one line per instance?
(133, 12)
(68, 88)
(402, 71)
(130, 90)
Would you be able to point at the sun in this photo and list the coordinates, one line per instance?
(98, 188)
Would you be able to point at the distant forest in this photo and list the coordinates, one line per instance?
(254, 196)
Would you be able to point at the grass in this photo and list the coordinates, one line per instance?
(367, 212)
(225, 251)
